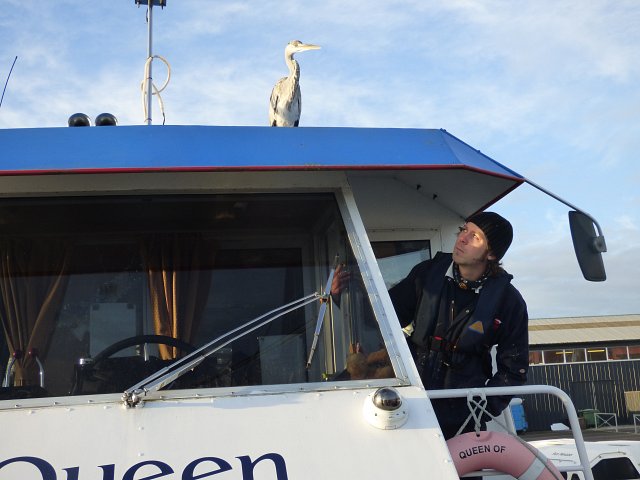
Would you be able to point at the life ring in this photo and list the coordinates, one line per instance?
(504, 453)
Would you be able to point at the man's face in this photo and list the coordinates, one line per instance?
(471, 248)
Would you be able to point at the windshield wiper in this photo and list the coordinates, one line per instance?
(133, 396)
(325, 298)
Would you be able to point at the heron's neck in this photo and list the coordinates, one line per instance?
(294, 68)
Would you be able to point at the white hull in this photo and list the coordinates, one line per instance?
(303, 435)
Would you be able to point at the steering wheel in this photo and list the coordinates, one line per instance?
(141, 339)
(114, 378)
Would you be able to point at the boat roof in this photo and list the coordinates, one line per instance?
(188, 148)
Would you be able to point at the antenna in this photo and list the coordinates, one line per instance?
(149, 79)
(7, 82)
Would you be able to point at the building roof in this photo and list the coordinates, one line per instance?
(580, 330)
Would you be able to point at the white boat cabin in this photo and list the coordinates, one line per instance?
(127, 249)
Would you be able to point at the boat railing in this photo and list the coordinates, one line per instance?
(572, 415)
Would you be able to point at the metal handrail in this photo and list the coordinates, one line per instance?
(584, 467)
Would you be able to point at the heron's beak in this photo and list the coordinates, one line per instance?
(308, 46)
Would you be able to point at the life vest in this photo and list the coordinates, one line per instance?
(481, 320)
(502, 452)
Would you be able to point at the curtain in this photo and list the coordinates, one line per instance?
(178, 269)
(33, 281)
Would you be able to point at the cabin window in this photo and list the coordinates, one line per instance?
(396, 258)
(99, 292)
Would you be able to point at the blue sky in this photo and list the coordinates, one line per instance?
(548, 88)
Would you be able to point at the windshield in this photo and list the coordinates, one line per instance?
(98, 293)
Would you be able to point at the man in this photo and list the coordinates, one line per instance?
(460, 305)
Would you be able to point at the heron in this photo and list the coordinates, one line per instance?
(285, 105)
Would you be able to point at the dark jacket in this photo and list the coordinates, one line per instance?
(458, 355)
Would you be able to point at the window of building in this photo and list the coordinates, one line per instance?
(535, 357)
(575, 355)
(580, 355)
(617, 353)
(553, 356)
(596, 354)
(572, 355)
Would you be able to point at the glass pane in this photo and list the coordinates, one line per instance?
(553, 356)
(617, 353)
(634, 351)
(4, 354)
(597, 354)
(575, 355)
(124, 286)
(535, 357)
(397, 258)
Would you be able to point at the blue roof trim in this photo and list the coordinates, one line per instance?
(459, 148)
(201, 147)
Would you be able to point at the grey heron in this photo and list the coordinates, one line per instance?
(284, 110)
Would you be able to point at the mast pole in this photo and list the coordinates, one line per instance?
(149, 78)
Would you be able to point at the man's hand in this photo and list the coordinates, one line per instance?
(340, 280)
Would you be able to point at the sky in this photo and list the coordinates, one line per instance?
(550, 89)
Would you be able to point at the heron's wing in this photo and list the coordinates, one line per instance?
(285, 103)
(275, 94)
(298, 100)
(272, 109)
(274, 100)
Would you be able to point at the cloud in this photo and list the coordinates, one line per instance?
(551, 291)
(628, 223)
(570, 38)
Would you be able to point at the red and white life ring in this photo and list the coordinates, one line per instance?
(501, 452)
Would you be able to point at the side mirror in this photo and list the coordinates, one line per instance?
(588, 246)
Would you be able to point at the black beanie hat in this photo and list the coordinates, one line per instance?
(497, 229)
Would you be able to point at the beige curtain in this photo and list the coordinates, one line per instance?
(179, 274)
(33, 281)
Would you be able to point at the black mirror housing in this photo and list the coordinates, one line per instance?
(588, 246)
